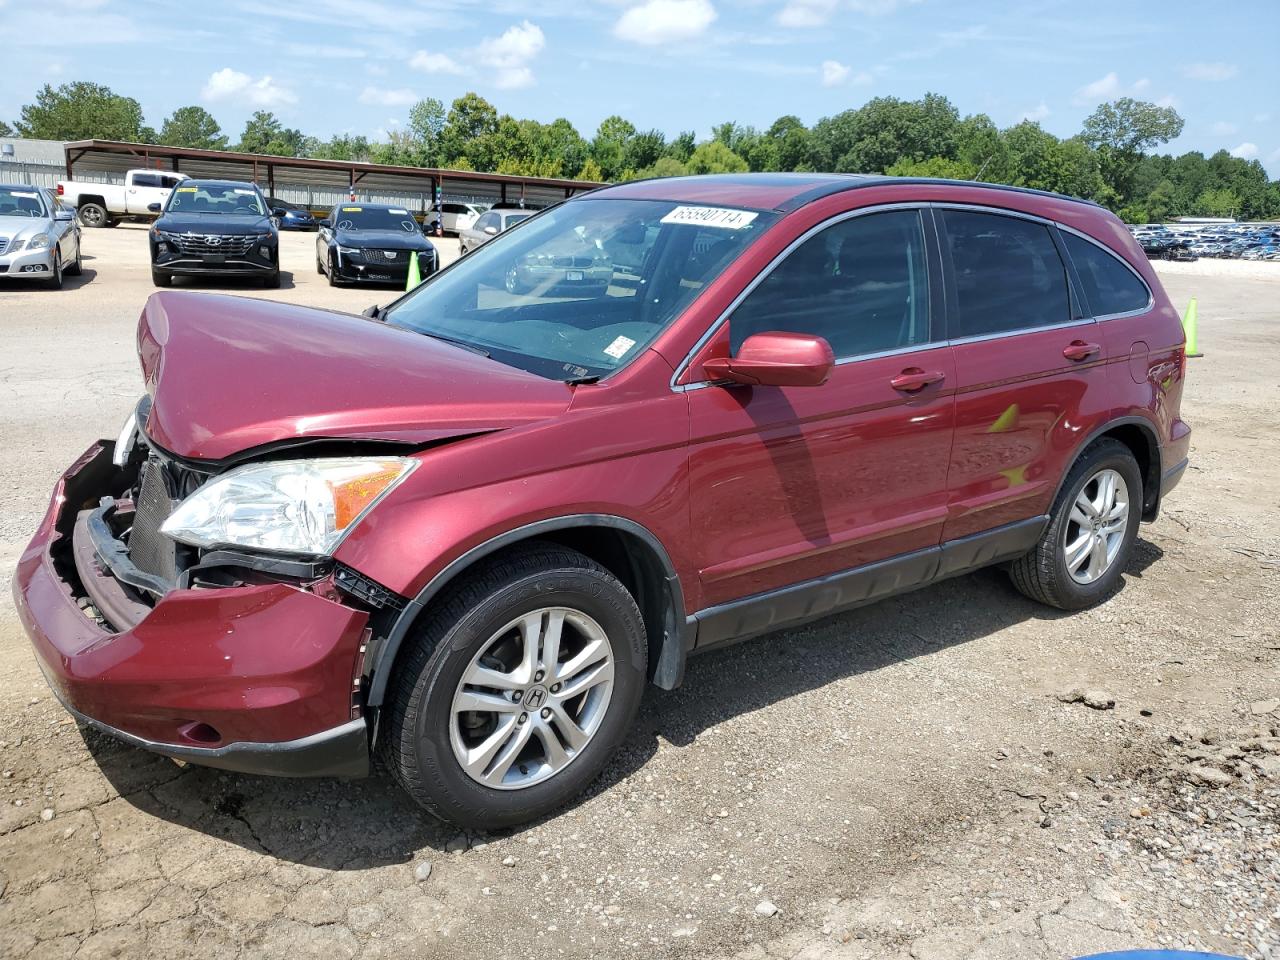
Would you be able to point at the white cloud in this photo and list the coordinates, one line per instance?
(665, 21)
(1245, 151)
(401, 97)
(1100, 89)
(509, 55)
(435, 63)
(1110, 87)
(806, 13)
(1211, 71)
(1037, 113)
(1223, 129)
(232, 85)
(834, 74)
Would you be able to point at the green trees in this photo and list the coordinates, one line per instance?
(264, 133)
(83, 111)
(1109, 161)
(1120, 132)
(192, 127)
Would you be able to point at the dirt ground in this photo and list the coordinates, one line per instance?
(938, 776)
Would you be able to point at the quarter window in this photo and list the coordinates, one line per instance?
(861, 284)
(1007, 274)
(1109, 285)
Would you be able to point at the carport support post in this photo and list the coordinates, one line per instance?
(504, 191)
(271, 180)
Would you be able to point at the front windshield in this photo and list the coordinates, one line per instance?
(580, 290)
(17, 202)
(356, 217)
(220, 198)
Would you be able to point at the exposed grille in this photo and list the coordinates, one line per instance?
(4, 244)
(212, 244)
(150, 549)
(386, 256)
(571, 261)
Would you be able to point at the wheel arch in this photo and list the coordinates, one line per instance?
(1140, 436)
(626, 548)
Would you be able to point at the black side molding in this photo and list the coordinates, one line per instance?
(812, 599)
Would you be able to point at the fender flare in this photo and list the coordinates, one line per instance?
(1153, 437)
(676, 640)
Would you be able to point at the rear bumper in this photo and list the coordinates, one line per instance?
(257, 678)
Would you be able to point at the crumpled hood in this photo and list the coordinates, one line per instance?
(227, 374)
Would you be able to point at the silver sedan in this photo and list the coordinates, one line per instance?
(39, 238)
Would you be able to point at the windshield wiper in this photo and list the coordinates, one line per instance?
(578, 381)
(457, 343)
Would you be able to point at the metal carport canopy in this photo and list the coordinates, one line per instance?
(333, 179)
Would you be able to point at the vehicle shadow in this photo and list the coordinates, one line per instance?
(341, 825)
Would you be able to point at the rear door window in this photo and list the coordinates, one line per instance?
(1006, 273)
(1110, 286)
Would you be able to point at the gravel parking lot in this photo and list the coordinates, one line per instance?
(957, 773)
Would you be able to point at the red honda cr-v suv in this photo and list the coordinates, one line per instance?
(466, 529)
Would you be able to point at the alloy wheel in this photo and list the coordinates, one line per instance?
(532, 698)
(1095, 529)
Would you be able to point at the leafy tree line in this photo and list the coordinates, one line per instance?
(1109, 161)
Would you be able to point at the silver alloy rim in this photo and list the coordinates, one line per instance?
(532, 698)
(1096, 527)
(92, 216)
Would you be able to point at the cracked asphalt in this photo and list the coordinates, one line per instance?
(901, 781)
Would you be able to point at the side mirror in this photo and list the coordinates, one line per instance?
(153, 207)
(64, 215)
(278, 211)
(491, 231)
(776, 359)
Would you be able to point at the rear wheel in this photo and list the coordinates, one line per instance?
(516, 689)
(93, 215)
(1091, 532)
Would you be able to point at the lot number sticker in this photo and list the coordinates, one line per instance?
(722, 217)
(619, 347)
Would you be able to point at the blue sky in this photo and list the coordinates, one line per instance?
(330, 66)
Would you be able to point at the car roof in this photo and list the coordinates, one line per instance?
(783, 191)
(371, 206)
(193, 182)
(25, 187)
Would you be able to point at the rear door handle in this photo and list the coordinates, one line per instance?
(913, 378)
(1079, 350)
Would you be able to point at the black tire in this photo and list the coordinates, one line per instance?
(333, 273)
(93, 215)
(272, 280)
(77, 268)
(414, 743)
(160, 278)
(319, 265)
(1042, 573)
(55, 278)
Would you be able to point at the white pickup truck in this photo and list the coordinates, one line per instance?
(104, 204)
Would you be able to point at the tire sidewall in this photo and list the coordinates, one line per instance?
(584, 590)
(1120, 460)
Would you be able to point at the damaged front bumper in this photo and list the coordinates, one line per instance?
(260, 677)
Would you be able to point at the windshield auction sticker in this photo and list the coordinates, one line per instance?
(618, 349)
(721, 217)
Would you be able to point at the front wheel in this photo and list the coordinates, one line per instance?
(1091, 532)
(55, 277)
(272, 280)
(516, 689)
(160, 278)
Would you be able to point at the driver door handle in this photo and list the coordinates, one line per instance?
(913, 378)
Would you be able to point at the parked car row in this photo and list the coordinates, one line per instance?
(1239, 241)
